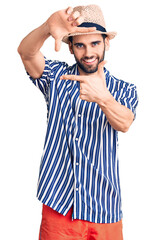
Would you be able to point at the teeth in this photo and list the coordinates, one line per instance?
(89, 60)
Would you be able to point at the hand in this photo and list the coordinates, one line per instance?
(93, 86)
(63, 22)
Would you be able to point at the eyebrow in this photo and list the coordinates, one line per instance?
(98, 41)
(77, 43)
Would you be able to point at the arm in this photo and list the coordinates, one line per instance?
(58, 25)
(93, 89)
(29, 50)
(119, 116)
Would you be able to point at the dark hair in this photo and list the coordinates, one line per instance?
(71, 38)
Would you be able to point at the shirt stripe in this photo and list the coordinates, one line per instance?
(79, 164)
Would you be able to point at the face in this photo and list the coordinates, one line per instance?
(88, 51)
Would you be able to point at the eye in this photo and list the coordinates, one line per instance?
(95, 43)
(79, 45)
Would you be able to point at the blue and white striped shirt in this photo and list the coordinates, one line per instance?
(79, 165)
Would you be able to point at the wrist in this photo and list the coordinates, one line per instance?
(45, 29)
(105, 99)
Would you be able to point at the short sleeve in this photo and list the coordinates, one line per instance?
(125, 93)
(127, 96)
(43, 82)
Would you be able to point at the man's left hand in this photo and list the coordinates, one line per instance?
(93, 86)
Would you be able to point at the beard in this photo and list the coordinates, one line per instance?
(89, 68)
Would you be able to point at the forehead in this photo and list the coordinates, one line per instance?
(87, 38)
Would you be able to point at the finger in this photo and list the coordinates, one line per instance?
(101, 66)
(83, 91)
(69, 10)
(84, 97)
(58, 44)
(78, 21)
(84, 29)
(82, 85)
(73, 16)
(71, 77)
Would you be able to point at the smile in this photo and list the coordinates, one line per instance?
(89, 61)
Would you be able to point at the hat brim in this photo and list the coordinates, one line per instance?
(110, 35)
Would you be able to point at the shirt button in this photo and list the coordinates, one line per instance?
(79, 115)
(76, 139)
(77, 163)
(77, 187)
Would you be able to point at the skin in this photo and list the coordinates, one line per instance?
(85, 53)
(92, 77)
(89, 51)
(58, 25)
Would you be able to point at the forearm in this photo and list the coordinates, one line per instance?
(29, 50)
(119, 116)
(32, 43)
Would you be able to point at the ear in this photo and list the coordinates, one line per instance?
(107, 43)
(70, 47)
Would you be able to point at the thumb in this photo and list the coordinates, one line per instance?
(57, 44)
(101, 66)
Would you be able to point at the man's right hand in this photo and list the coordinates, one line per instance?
(63, 22)
(58, 25)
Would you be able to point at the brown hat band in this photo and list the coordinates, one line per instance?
(90, 24)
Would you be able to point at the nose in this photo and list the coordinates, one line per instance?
(88, 52)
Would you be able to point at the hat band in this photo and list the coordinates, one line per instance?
(90, 24)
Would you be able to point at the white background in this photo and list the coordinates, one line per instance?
(23, 114)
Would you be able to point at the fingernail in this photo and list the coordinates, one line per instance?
(75, 24)
(69, 11)
(70, 18)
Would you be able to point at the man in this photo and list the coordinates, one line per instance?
(79, 178)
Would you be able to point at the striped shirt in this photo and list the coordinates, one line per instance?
(79, 164)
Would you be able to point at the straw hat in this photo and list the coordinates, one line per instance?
(93, 17)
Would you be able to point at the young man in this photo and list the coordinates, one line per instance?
(79, 178)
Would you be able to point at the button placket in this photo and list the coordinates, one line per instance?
(77, 138)
(77, 187)
(77, 133)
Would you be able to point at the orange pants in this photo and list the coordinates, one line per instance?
(55, 226)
